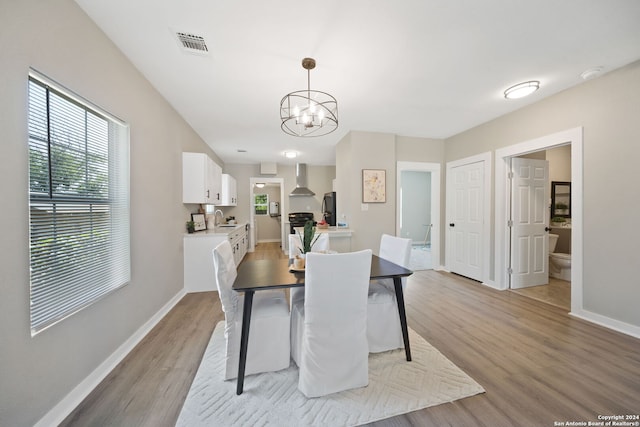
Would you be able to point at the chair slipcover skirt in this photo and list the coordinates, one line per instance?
(383, 321)
(269, 345)
(329, 326)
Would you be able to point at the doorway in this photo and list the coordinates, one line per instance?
(503, 252)
(418, 211)
(266, 224)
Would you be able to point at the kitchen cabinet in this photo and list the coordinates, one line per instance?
(201, 179)
(199, 274)
(229, 191)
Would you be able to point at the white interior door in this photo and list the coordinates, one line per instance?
(466, 219)
(529, 222)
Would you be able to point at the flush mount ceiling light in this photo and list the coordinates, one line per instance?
(260, 184)
(308, 112)
(290, 154)
(591, 73)
(521, 90)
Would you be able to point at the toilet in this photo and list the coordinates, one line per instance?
(559, 264)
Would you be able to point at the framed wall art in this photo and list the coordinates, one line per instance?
(199, 221)
(374, 186)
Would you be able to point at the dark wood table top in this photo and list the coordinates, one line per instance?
(274, 273)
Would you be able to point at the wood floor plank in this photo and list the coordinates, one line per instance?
(537, 364)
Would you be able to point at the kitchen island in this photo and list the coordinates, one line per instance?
(339, 237)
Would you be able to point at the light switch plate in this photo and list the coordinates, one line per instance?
(364, 207)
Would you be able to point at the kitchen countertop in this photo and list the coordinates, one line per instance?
(217, 231)
(332, 231)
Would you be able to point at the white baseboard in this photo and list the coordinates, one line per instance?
(59, 412)
(608, 322)
(491, 284)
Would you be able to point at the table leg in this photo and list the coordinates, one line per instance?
(244, 339)
(397, 283)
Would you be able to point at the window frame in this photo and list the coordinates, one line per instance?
(79, 236)
(256, 204)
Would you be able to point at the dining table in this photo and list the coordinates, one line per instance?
(259, 275)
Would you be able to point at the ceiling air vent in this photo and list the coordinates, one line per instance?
(192, 43)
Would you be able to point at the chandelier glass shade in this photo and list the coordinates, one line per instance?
(307, 113)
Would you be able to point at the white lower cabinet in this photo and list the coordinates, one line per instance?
(199, 275)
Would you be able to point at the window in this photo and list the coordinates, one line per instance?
(261, 204)
(78, 203)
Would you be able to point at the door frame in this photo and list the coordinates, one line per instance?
(485, 158)
(435, 169)
(252, 182)
(573, 137)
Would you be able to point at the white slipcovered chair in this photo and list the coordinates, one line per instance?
(383, 321)
(329, 326)
(269, 345)
(295, 248)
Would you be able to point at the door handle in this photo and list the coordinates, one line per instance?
(451, 224)
(547, 229)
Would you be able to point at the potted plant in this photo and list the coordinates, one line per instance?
(562, 208)
(558, 220)
(191, 227)
(307, 241)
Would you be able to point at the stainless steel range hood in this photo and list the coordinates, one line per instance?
(301, 182)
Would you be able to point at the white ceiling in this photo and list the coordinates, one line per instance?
(424, 68)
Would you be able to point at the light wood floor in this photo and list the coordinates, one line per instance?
(537, 364)
(557, 292)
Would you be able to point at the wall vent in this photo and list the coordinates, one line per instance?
(192, 43)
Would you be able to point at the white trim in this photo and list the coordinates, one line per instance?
(252, 231)
(570, 136)
(605, 321)
(435, 169)
(485, 158)
(58, 413)
(270, 241)
(77, 98)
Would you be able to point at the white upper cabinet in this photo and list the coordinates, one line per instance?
(201, 179)
(229, 191)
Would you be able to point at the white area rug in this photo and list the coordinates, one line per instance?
(272, 399)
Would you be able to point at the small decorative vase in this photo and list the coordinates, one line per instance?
(299, 261)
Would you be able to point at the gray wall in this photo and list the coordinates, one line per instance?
(357, 151)
(369, 150)
(559, 163)
(607, 109)
(59, 40)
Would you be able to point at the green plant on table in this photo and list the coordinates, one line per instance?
(306, 238)
(191, 226)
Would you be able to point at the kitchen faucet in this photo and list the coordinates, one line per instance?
(215, 216)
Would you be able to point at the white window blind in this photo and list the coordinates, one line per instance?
(78, 200)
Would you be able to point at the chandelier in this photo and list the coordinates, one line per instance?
(308, 112)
